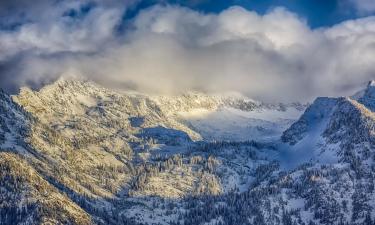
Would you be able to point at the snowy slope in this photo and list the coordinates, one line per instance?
(227, 123)
(24, 192)
(368, 96)
(324, 172)
(13, 123)
(331, 126)
(131, 158)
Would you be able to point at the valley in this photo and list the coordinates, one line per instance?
(130, 158)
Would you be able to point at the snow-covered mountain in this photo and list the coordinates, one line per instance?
(13, 121)
(237, 118)
(77, 153)
(336, 126)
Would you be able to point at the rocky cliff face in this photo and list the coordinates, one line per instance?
(343, 121)
(315, 114)
(369, 95)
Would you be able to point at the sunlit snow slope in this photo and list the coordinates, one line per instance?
(77, 153)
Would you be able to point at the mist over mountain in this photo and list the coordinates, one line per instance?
(187, 112)
(74, 152)
(271, 56)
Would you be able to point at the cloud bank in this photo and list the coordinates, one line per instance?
(169, 49)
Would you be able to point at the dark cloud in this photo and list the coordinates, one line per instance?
(8, 76)
(15, 12)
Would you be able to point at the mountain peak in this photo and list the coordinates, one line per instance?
(69, 85)
(368, 98)
(351, 123)
(69, 80)
(317, 113)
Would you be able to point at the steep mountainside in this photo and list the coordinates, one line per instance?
(77, 153)
(340, 124)
(13, 122)
(368, 97)
(37, 201)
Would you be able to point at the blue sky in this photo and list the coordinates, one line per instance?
(318, 13)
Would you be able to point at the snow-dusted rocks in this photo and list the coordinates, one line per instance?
(27, 198)
(339, 119)
(316, 114)
(83, 154)
(368, 98)
(14, 122)
(351, 123)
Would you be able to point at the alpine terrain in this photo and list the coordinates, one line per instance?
(74, 152)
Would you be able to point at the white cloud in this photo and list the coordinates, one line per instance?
(363, 6)
(275, 56)
(61, 33)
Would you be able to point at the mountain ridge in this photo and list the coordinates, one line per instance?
(129, 158)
